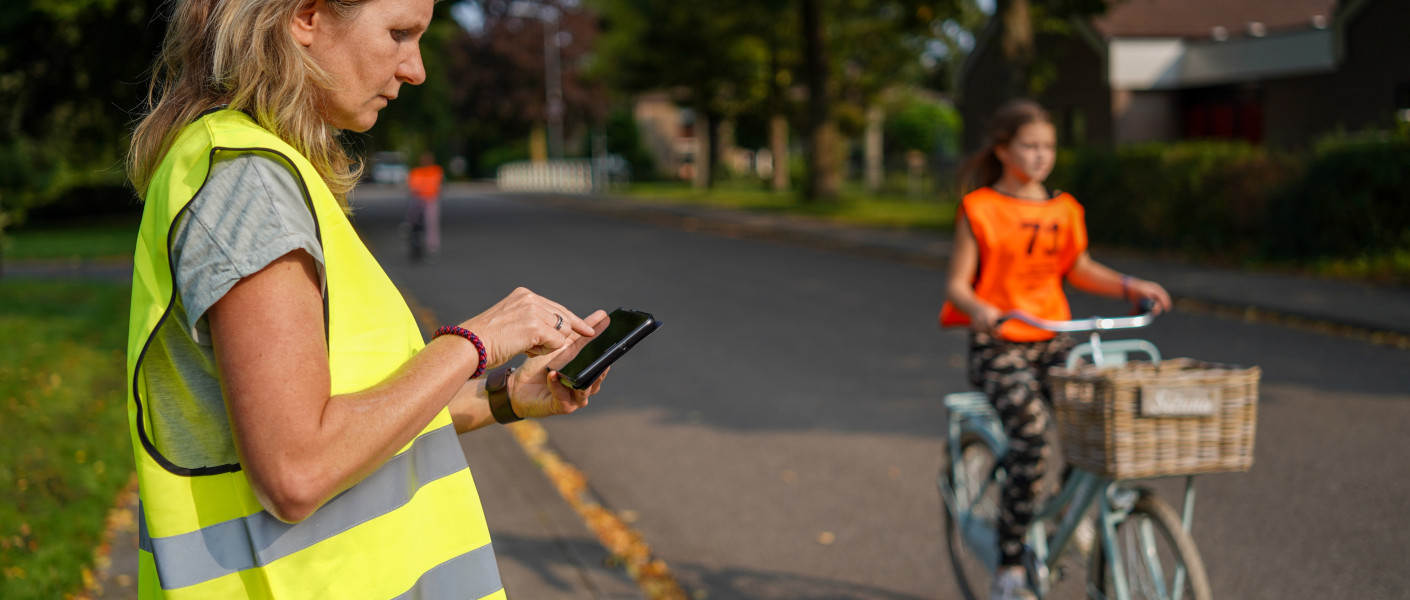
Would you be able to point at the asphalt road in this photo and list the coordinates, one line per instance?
(780, 435)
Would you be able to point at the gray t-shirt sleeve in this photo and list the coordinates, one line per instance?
(250, 212)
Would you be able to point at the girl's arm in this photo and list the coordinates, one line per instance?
(1093, 277)
(964, 264)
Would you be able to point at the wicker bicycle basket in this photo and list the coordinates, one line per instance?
(1180, 417)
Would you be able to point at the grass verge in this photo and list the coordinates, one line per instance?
(106, 237)
(65, 454)
(853, 205)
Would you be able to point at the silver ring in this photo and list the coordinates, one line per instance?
(559, 324)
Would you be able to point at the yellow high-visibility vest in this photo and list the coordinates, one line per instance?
(412, 529)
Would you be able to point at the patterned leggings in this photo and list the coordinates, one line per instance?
(1014, 376)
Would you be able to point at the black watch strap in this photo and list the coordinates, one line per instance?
(497, 387)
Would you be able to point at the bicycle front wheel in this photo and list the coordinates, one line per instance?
(1151, 544)
(973, 535)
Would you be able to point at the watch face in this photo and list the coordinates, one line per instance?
(498, 380)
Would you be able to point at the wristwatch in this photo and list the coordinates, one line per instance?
(497, 387)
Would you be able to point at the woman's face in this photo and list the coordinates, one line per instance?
(369, 54)
(1029, 156)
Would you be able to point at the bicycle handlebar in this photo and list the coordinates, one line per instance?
(1146, 317)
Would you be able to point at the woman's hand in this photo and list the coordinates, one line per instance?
(1140, 289)
(536, 392)
(524, 323)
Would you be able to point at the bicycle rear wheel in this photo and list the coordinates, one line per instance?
(1152, 543)
(974, 571)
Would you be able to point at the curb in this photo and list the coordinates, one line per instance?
(115, 560)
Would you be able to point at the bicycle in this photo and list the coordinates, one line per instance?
(413, 229)
(1143, 547)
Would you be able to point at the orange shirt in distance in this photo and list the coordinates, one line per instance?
(425, 182)
(1026, 249)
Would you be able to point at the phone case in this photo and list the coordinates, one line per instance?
(586, 367)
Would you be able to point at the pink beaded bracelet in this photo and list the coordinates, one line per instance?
(474, 339)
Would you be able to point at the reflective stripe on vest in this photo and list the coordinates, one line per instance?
(412, 529)
(260, 539)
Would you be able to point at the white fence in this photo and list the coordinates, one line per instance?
(569, 176)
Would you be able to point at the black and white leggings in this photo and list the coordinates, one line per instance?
(1014, 377)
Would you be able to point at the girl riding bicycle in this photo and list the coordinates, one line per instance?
(1015, 243)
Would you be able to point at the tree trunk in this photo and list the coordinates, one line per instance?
(538, 144)
(703, 145)
(915, 170)
(1017, 44)
(714, 123)
(725, 149)
(822, 182)
(778, 124)
(778, 147)
(875, 154)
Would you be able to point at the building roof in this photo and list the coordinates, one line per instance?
(1199, 18)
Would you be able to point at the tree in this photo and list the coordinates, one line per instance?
(877, 46)
(72, 73)
(485, 87)
(705, 53)
(1019, 19)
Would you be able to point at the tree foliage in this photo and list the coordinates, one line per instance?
(71, 74)
(497, 76)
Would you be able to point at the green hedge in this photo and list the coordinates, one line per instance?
(1199, 198)
(1346, 199)
(1354, 202)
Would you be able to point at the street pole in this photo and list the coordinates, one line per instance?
(553, 81)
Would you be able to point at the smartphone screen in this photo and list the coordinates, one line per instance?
(622, 330)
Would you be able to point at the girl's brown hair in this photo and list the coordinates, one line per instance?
(241, 53)
(983, 167)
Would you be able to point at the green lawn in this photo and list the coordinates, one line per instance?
(65, 452)
(111, 237)
(1391, 268)
(853, 206)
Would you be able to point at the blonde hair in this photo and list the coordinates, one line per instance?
(983, 167)
(242, 54)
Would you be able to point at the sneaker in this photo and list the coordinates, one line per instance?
(1011, 583)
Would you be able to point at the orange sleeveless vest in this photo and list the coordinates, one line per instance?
(1026, 249)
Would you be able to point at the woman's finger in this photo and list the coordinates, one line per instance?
(571, 321)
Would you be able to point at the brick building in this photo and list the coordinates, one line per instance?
(1281, 72)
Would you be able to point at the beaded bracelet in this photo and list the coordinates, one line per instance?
(474, 339)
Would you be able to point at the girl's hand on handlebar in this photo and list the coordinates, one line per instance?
(985, 318)
(525, 323)
(1138, 290)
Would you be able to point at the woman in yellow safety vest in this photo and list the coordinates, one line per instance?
(294, 435)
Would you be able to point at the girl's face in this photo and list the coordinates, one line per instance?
(1029, 156)
(370, 54)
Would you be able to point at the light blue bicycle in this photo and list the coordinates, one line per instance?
(1141, 549)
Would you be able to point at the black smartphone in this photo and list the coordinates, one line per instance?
(623, 329)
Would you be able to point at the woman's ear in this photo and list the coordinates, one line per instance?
(306, 19)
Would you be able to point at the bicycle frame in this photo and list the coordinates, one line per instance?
(971, 412)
